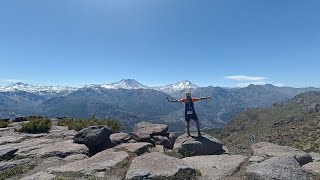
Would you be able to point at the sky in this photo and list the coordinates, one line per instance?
(225, 43)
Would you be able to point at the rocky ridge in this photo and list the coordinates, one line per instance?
(67, 154)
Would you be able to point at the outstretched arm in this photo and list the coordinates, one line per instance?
(173, 100)
(202, 98)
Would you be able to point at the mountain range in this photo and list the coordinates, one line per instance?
(132, 101)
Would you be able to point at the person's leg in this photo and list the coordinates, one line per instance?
(196, 120)
(188, 127)
(187, 118)
(197, 125)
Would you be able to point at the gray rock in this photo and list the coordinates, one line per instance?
(151, 129)
(144, 130)
(11, 139)
(315, 156)
(159, 166)
(60, 149)
(162, 140)
(266, 149)
(216, 167)
(7, 153)
(12, 164)
(256, 159)
(40, 175)
(76, 157)
(96, 165)
(93, 135)
(282, 168)
(119, 138)
(313, 168)
(195, 146)
(96, 138)
(138, 148)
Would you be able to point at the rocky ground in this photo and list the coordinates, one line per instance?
(149, 152)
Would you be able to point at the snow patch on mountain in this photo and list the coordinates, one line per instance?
(37, 89)
(183, 85)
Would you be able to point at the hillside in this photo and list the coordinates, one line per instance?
(293, 123)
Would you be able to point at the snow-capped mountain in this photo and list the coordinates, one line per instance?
(122, 84)
(125, 84)
(42, 90)
(171, 88)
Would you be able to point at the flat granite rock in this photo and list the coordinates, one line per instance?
(216, 167)
(96, 165)
(282, 168)
(60, 149)
(159, 166)
(266, 149)
(138, 148)
(313, 168)
(40, 176)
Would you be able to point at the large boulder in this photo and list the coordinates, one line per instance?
(97, 165)
(7, 153)
(119, 138)
(266, 149)
(159, 166)
(216, 167)
(284, 168)
(96, 138)
(313, 168)
(198, 145)
(144, 130)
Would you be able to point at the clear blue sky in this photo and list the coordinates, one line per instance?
(74, 42)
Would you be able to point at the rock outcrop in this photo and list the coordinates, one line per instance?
(284, 168)
(266, 149)
(159, 166)
(198, 145)
(156, 134)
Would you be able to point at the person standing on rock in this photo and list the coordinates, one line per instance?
(190, 112)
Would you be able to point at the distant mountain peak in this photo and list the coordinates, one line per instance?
(125, 84)
(182, 85)
(20, 84)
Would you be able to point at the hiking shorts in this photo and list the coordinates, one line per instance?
(191, 116)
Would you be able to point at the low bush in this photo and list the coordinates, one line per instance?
(34, 126)
(3, 124)
(78, 124)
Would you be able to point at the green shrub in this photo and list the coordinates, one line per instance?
(79, 124)
(34, 126)
(3, 124)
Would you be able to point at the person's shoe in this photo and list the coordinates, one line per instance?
(188, 134)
